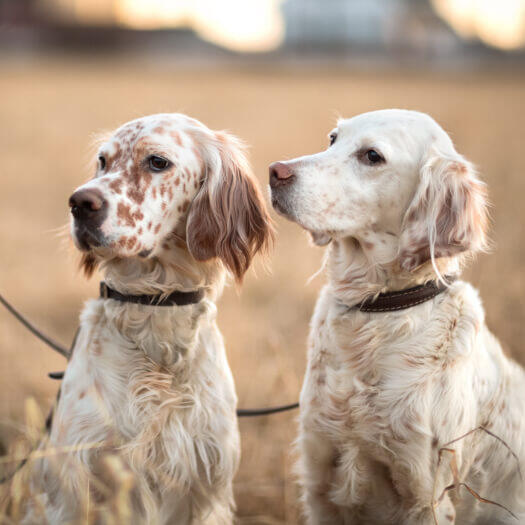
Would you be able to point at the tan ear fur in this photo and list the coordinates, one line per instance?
(228, 219)
(448, 214)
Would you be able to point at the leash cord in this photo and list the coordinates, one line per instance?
(35, 331)
(251, 412)
(241, 412)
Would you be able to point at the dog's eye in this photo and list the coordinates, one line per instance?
(373, 156)
(158, 163)
(333, 137)
(101, 162)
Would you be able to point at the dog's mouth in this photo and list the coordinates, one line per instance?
(86, 239)
(281, 205)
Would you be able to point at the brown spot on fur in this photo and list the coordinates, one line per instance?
(97, 348)
(157, 228)
(124, 213)
(115, 185)
(112, 159)
(135, 195)
(82, 394)
(163, 205)
(131, 242)
(137, 215)
(459, 167)
(197, 155)
(185, 205)
(176, 137)
(149, 225)
(177, 181)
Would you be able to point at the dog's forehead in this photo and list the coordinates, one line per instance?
(394, 130)
(369, 122)
(163, 128)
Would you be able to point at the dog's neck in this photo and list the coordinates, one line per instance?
(174, 269)
(164, 334)
(354, 274)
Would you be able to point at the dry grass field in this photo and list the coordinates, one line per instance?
(49, 110)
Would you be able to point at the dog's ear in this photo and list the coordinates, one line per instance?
(228, 218)
(448, 213)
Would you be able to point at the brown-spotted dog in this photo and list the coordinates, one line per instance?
(400, 365)
(173, 207)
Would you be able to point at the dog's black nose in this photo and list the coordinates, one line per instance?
(280, 174)
(86, 204)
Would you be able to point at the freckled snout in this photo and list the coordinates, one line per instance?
(280, 174)
(86, 205)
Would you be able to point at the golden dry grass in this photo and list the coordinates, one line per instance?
(49, 110)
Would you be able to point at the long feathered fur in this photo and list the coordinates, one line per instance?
(147, 405)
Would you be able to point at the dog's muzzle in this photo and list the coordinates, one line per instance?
(281, 179)
(89, 209)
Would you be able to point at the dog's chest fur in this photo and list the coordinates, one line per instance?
(153, 385)
(386, 391)
(369, 368)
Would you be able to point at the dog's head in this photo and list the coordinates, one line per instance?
(167, 180)
(393, 181)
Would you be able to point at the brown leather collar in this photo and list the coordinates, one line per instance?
(173, 299)
(402, 299)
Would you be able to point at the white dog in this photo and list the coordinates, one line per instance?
(172, 208)
(391, 382)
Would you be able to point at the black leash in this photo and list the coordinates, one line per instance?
(241, 412)
(35, 331)
(251, 412)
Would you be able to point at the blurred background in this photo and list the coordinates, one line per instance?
(277, 73)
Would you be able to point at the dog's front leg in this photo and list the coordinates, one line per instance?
(428, 498)
(442, 514)
(316, 465)
(320, 479)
